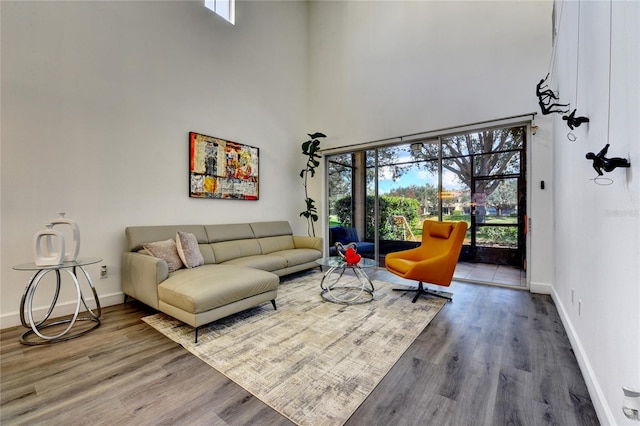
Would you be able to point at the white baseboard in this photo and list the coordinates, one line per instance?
(539, 288)
(12, 319)
(598, 399)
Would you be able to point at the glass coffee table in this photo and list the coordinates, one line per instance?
(338, 288)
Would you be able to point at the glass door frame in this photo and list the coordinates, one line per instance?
(523, 176)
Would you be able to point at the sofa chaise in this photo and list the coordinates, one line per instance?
(238, 266)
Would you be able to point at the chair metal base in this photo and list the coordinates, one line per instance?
(422, 290)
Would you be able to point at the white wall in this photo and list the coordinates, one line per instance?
(97, 102)
(597, 228)
(386, 69)
(98, 98)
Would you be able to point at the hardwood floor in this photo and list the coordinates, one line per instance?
(494, 356)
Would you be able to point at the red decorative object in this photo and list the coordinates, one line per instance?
(351, 256)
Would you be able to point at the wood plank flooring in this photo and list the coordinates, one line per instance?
(495, 356)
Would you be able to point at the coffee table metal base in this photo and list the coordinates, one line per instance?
(346, 294)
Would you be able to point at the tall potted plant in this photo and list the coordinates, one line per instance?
(310, 148)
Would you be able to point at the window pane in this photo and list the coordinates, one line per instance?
(425, 150)
(458, 145)
(496, 201)
(223, 8)
(456, 193)
(340, 172)
(483, 142)
(389, 155)
(499, 163)
(496, 206)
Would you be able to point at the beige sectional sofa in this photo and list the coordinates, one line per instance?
(242, 266)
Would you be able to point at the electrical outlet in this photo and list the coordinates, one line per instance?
(103, 272)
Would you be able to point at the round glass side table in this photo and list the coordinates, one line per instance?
(40, 327)
(338, 290)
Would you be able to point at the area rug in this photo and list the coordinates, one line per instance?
(311, 360)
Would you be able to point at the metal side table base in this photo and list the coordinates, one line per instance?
(36, 335)
(333, 292)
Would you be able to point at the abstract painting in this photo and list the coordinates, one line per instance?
(219, 168)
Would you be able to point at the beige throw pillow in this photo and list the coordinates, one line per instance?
(166, 250)
(188, 249)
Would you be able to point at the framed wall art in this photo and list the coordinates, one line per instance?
(220, 168)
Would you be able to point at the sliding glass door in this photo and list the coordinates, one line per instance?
(385, 193)
(490, 164)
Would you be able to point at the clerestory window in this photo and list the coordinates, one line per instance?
(224, 8)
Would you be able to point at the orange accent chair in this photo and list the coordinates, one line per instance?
(434, 261)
